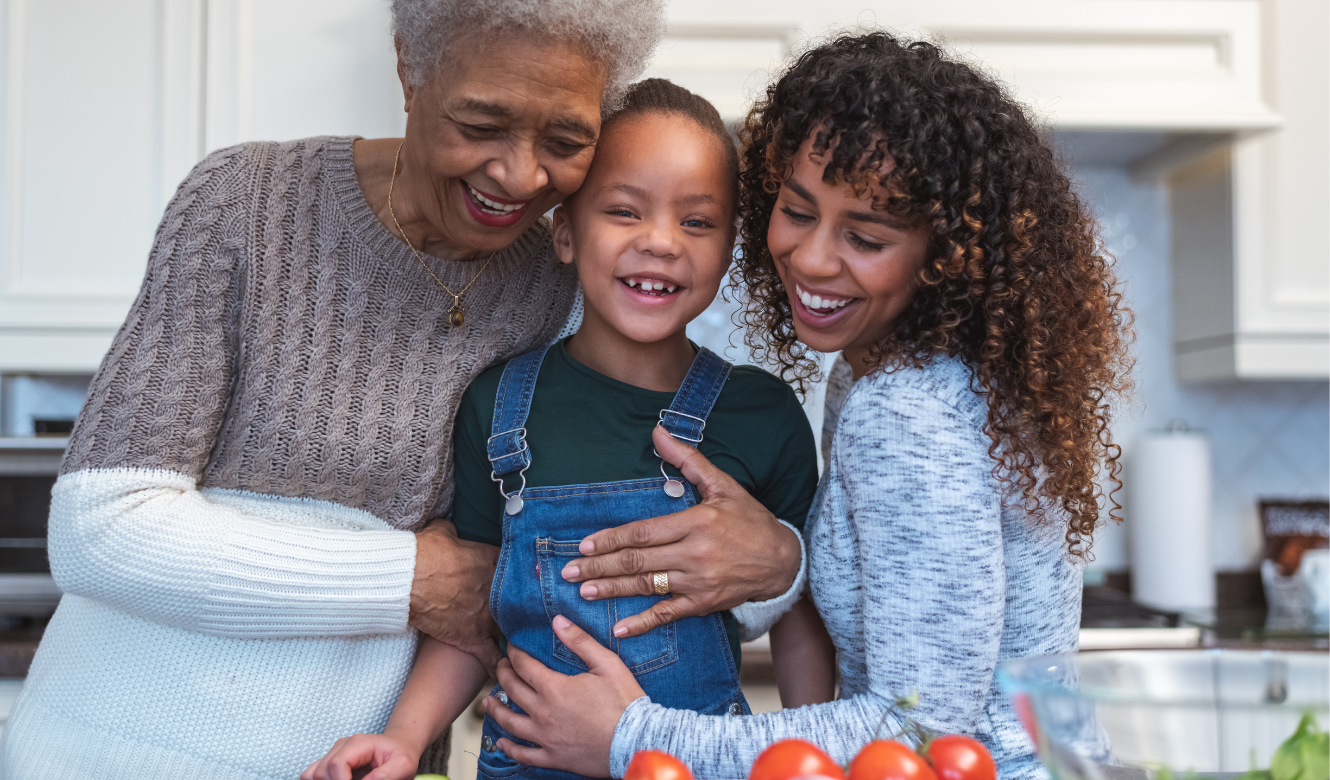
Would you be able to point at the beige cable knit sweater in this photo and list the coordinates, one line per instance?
(232, 522)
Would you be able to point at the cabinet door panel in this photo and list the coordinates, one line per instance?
(88, 146)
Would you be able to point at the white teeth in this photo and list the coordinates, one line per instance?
(650, 285)
(506, 208)
(818, 302)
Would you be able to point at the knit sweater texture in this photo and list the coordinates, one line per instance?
(926, 580)
(232, 526)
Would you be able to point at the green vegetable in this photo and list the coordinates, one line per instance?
(1303, 756)
(431, 777)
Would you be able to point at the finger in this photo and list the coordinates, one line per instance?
(662, 612)
(342, 759)
(525, 755)
(596, 656)
(515, 723)
(643, 584)
(652, 532)
(710, 480)
(513, 684)
(396, 767)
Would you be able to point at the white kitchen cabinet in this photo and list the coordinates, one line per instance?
(1251, 224)
(99, 124)
(107, 105)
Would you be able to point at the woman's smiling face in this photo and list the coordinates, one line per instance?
(849, 270)
(501, 135)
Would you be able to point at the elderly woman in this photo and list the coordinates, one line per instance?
(241, 522)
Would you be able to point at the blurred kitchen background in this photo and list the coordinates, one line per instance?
(1198, 129)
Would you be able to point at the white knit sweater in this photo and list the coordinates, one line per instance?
(209, 633)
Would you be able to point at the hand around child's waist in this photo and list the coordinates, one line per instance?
(724, 552)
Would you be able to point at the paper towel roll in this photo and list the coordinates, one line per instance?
(1169, 521)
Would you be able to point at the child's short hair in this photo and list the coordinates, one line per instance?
(665, 97)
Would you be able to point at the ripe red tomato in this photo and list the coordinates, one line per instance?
(655, 765)
(956, 757)
(884, 759)
(793, 758)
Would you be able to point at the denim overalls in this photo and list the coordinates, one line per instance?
(686, 664)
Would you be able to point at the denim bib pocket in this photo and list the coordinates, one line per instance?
(641, 654)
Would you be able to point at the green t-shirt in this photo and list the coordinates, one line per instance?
(585, 427)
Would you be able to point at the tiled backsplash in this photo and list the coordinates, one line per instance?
(1267, 439)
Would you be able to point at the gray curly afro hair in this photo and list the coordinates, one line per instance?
(620, 34)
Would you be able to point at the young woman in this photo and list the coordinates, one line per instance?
(899, 208)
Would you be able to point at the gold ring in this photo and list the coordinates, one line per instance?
(661, 582)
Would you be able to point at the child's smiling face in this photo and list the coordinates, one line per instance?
(652, 228)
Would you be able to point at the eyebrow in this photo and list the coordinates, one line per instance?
(875, 217)
(638, 192)
(570, 123)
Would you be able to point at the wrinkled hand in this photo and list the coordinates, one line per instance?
(451, 591)
(571, 718)
(719, 554)
(388, 760)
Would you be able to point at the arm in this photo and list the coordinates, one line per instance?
(804, 657)
(927, 516)
(128, 526)
(920, 499)
(442, 683)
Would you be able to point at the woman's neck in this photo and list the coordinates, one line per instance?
(660, 365)
(373, 161)
(860, 360)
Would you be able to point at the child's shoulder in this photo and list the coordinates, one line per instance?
(753, 389)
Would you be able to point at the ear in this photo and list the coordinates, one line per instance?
(563, 236)
(408, 91)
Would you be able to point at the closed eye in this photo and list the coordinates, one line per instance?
(480, 132)
(796, 217)
(566, 148)
(864, 244)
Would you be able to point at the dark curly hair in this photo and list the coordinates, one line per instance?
(1016, 282)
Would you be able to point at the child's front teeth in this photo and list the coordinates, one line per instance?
(493, 206)
(651, 286)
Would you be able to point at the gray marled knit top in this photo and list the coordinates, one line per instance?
(924, 580)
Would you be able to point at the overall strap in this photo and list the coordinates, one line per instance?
(687, 415)
(507, 448)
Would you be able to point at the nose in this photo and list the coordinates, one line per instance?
(815, 255)
(519, 171)
(659, 237)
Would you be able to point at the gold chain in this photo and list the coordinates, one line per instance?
(455, 315)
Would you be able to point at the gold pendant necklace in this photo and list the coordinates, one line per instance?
(455, 315)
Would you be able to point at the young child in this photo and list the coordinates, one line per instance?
(566, 432)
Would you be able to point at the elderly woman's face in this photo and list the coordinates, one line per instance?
(501, 136)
